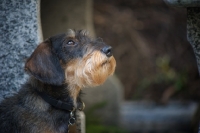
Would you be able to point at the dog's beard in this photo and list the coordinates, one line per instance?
(91, 70)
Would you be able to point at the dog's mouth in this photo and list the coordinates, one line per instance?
(107, 57)
(104, 63)
(107, 61)
(92, 70)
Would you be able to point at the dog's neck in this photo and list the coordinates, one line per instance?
(57, 92)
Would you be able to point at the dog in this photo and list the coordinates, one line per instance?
(59, 68)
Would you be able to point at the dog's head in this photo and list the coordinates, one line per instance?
(71, 58)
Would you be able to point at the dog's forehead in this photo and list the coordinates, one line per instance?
(81, 36)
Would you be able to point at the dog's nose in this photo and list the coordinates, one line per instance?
(107, 51)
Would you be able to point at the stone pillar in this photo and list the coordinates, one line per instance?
(193, 27)
(193, 31)
(20, 32)
(193, 23)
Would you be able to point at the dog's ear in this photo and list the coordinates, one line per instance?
(44, 65)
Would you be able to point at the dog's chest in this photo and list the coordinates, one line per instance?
(61, 121)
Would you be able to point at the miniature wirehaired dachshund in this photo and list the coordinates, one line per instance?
(59, 68)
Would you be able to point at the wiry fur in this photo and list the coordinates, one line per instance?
(89, 71)
(59, 69)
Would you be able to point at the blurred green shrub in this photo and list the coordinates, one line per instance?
(165, 76)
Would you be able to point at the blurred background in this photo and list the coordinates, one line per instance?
(154, 59)
(155, 64)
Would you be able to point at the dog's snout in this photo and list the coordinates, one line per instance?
(107, 50)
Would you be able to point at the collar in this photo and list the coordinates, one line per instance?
(56, 103)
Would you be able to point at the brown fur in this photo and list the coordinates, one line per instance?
(92, 70)
(59, 67)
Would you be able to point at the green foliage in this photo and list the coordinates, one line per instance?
(165, 72)
(165, 75)
(169, 75)
(94, 124)
(181, 81)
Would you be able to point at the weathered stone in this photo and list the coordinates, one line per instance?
(20, 33)
(193, 27)
(183, 3)
(193, 31)
(193, 36)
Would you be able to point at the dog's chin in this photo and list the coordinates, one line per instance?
(110, 62)
(90, 71)
(106, 69)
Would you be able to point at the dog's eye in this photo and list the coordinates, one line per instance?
(70, 42)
